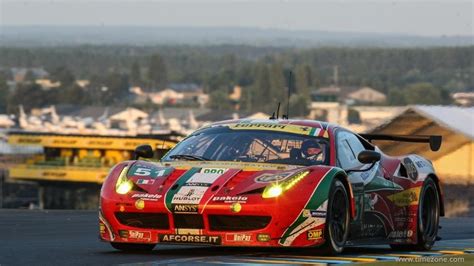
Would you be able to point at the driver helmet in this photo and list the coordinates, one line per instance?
(310, 148)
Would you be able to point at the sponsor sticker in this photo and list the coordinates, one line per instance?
(213, 170)
(230, 199)
(238, 237)
(145, 182)
(146, 196)
(318, 213)
(272, 177)
(135, 235)
(412, 172)
(189, 195)
(406, 198)
(185, 208)
(201, 239)
(401, 234)
(315, 234)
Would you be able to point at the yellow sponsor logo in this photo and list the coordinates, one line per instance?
(315, 234)
(406, 198)
(295, 129)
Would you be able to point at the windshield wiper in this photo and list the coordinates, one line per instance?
(189, 157)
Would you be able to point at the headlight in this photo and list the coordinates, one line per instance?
(276, 189)
(123, 185)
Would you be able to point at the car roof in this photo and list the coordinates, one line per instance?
(299, 122)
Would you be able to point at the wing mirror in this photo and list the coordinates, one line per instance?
(368, 156)
(143, 151)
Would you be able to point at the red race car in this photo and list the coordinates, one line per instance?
(278, 183)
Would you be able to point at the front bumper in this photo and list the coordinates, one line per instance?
(254, 225)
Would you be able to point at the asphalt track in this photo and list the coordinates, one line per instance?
(70, 238)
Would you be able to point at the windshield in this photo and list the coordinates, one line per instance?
(224, 144)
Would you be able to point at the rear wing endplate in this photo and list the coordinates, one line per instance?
(434, 141)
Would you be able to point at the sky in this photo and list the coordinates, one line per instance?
(425, 18)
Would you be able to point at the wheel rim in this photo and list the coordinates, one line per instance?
(337, 224)
(429, 214)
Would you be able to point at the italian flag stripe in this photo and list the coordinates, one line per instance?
(320, 194)
(181, 181)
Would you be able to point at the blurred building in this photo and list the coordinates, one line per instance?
(454, 162)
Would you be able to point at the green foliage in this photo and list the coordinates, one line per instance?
(220, 100)
(419, 93)
(4, 93)
(261, 71)
(157, 73)
(298, 106)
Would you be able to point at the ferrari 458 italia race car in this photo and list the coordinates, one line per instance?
(278, 183)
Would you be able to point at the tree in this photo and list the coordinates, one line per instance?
(4, 93)
(135, 74)
(304, 80)
(157, 73)
(64, 76)
(220, 100)
(422, 93)
(396, 97)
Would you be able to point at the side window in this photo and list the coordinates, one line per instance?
(348, 147)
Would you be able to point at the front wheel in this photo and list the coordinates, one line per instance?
(337, 219)
(132, 247)
(428, 218)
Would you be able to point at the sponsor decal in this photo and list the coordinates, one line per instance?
(263, 237)
(317, 213)
(270, 177)
(412, 172)
(145, 196)
(203, 178)
(315, 234)
(188, 231)
(230, 199)
(202, 239)
(189, 195)
(314, 213)
(213, 170)
(401, 234)
(238, 237)
(185, 208)
(139, 235)
(406, 198)
(145, 181)
(135, 235)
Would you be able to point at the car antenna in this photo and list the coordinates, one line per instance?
(289, 91)
(278, 110)
(273, 117)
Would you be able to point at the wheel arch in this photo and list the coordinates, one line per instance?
(440, 192)
(345, 181)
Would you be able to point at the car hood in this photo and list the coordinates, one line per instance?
(195, 178)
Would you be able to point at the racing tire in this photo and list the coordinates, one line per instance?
(428, 218)
(337, 219)
(132, 247)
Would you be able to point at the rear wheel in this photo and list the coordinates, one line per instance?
(337, 219)
(428, 218)
(132, 247)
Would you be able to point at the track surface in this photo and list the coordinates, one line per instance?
(70, 238)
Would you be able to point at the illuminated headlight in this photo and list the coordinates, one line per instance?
(276, 189)
(123, 185)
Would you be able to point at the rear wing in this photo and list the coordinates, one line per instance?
(434, 141)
